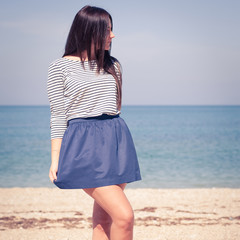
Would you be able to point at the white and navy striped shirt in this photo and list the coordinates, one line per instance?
(77, 92)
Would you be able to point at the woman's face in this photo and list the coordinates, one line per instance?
(109, 37)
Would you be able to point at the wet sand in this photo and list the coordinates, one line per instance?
(160, 214)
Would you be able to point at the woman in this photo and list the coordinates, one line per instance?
(92, 148)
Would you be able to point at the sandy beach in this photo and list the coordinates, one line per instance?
(160, 214)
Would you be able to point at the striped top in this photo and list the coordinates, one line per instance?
(75, 91)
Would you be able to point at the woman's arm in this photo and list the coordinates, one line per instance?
(55, 88)
(55, 150)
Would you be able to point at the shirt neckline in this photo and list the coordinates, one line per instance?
(91, 61)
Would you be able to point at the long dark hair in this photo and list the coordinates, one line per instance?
(90, 28)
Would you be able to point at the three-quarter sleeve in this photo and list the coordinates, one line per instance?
(55, 89)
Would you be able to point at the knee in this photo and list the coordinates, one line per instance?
(98, 227)
(125, 220)
(101, 228)
(102, 222)
(101, 232)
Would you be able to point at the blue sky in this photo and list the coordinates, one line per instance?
(182, 52)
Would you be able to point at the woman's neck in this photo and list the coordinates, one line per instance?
(74, 56)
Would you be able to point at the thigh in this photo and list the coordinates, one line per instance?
(98, 211)
(122, 185)
(111, 199)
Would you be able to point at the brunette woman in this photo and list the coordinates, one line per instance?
(92, 148)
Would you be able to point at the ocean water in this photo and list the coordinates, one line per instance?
(177, 146)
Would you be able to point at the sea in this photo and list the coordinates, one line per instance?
(177, 146)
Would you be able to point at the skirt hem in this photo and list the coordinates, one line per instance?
(96, 184)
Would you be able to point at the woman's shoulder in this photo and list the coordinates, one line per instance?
(61, 63)
(116, 64)
(114, 60)
(58, 61)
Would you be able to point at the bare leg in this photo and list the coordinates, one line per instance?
(114, 202)
(102, 221)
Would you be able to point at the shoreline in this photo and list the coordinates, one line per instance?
(52, 213)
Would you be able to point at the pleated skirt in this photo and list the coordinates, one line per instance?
(97, 152)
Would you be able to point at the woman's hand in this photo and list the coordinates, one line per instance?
(53, 171)
(55, 150)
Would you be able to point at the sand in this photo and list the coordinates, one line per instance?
(160, 214)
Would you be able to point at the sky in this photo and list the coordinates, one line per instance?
(173, 52)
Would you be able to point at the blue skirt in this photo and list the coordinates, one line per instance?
(97, 152)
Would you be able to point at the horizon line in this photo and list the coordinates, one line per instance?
(134, 105)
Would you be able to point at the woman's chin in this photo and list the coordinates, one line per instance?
(107, 46)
